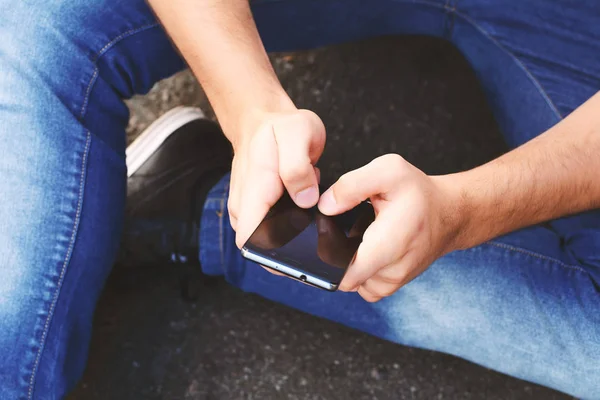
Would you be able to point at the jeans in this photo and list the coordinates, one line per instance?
(526, 304)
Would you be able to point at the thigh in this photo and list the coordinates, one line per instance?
(537, 60)
(516, 305)
(65, 68)
(287, 25)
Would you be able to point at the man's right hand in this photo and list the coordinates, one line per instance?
(279, 148)
(278, 151)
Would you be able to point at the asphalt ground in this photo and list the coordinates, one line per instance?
(414, 96)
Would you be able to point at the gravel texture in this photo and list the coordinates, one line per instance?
(413, 96)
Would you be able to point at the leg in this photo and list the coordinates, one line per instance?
(537, 62)
(65, 67)
(527, 314)
(524, 304)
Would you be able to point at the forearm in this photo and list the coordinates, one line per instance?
(554, 175)
(220, 42)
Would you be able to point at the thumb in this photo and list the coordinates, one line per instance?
(300, 142)
(376, 178)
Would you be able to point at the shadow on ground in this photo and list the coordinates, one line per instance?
(412, 96)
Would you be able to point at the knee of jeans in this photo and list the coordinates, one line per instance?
(435, 309)
(41, 61)
(580, 236)
(57, 46)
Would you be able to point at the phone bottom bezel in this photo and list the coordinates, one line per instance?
(289, 271)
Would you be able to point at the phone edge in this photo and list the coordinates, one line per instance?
(288, 271)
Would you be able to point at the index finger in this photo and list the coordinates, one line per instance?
(376, 178)
(375, 252)
(261, 191)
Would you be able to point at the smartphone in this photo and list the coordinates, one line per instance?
(307, 245)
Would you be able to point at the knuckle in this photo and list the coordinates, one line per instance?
(294, 173)
(301, 124)
(393, 160)
(397, 279)
(394, 165)
(393, 281)
(389, 168)
(302, 121)
(345, 187)
(310, 120)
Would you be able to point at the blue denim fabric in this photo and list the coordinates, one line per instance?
(526, 304)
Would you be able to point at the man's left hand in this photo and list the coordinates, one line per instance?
(416, 223)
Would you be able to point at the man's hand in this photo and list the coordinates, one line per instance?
(276, 145)
(414, 223)
(420, 218)
(280, 153)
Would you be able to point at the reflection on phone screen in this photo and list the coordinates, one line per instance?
(317, 243)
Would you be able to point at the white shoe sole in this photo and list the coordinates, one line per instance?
(142, 148)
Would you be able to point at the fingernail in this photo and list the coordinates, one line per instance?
(307, 197)
(327, 202)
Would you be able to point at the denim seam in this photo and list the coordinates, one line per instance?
(516, 59)
(88, 91)
(536, 255)
(75, 228)
(450, 9)
(99, 55)
(122, 36)
(63, 270)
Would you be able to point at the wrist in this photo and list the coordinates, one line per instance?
(457, 212)
(253, 117)
(242, 120)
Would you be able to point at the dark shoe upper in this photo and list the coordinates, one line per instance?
(165, 196)
(166, 183)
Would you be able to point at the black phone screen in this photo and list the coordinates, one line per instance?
(308, 241)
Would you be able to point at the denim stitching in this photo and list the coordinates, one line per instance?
(536, 255)
(64, 265)
(103, 51)
(88, 91)
(449, 8)
(75, 228)
(519, 63)
(121, 37)
(532, 78)
(131, 32)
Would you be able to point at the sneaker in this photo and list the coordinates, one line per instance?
(171, 166)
